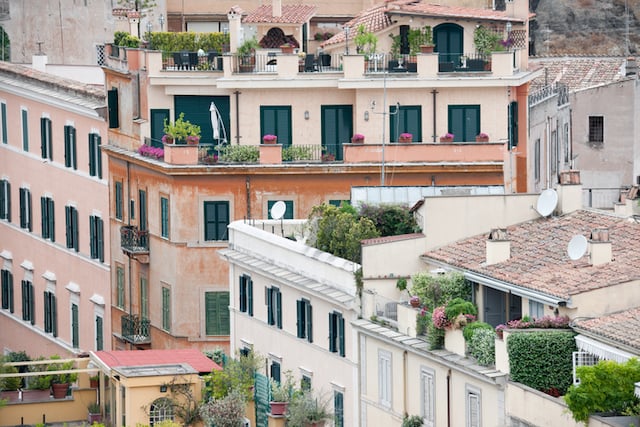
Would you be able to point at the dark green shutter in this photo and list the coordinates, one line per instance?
(332, 332)
(269, 297)
(513, 124)
(5, 137)
(196, 110)
(100, 239)
(32, 303)
(92, 236)
(74, 226)
(75, 326)
(243, 293)
(223, 314)
(164, 217)
(275, 371)
(309, 322)
(47, 312)
(250, 295)
(300, 318)
(166, 309)
(337, 128)
(158, 117)
(217, 313)
(279, 308)
(407, 118)
(112, 101)
(99, 334)
(142, 202)
(338, 409)
(74, 147)
(92, 157)
(54, 316)
(43, 137)
(43, 217)
(51, 219)
(25, 130)
(69, 232)
(341, 334)
(276, 120)
(98, 144)
(119, 201)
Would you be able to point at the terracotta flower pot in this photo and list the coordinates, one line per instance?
(60, 390)
(278, 408)
(445, 139)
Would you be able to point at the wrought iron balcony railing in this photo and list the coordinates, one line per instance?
(134, 241)
(136, 329)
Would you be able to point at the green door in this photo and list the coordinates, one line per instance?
(407, 118)
(197, 109)
(464, 122)
(158, 116)
(448, 41)
(337, 128)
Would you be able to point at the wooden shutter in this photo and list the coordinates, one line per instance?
(275, 371)
(243, 293)
(43, 137)
(68, 225)
(269, 298)
(166, 309)
(98, 154)
(513, 124)
(300, 318)
(250, 295)
(67, 146)
(341, 335)
(92, 236)
(44, 223)
(279, 308)
(5, 137)
(99, 334)
(74, 326)
(309, 322)
(10, 285)
(5, 289)
(112, 101)
(100, 238)
(54, 316)
(332, 332)
(338, 408)
(142, 206)
(92, 156)
(51, 218)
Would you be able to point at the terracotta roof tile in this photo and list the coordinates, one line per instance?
(291, 14)
(192, 357)
(578, 72)
(539, 259)
(621, 327)
(388, 239)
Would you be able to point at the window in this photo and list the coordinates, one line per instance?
(384, 378)
(120, 286)
(71, 218)
(407, 118)
(288, 213)
(161, 410)
(70, 153)
(119, 200)
(305, 327)
(464, 122)
(164, 217)
(144, 297)
(596, 130)
(112, 107)
(166, 309)
(95, 155)
(142, 202)
(217, 313)
(96, 237)
(513, 124)
(338, 408)
(46, 149)
(536, 309)
(536, 161)
(28, 303)
(5, 200)
(553, 155)
(473, 407)
(274, 306)
(336, 333)
(274, 371)
(25, 209)
(338, 203)
(246, 295)
(305, 383)
(3, 112)
(47, 218)
(50, 315)
(427, 392)
(276, 120)
(216, 220)
(7, 290)
(25, 130)
(565, 141)
(75, 326)
(99, 333)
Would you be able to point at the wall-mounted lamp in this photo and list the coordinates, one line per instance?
(161, 20)
(366, 116)
(163, 388)
(306, 114)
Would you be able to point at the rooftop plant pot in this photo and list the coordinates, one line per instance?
(60, 390)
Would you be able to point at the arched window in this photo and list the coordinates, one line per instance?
(161, 410)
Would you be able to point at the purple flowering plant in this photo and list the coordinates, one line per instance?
(153, 152)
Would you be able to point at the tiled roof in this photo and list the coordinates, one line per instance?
(291, 14)
(128, 358)
(577, 72)
(539, 260)
(620, 327)
(378, 17)
(387, 239)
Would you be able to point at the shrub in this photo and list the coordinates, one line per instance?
(435, 290)
(227, 411)
(435, 337)
(458, 306)
(542, 360)
(306, 409)
(153, 152)
(471, 329)
(297, 152)
(389, 219)
(239, 153)
(482, 345)
(423, 319)
(237, 374)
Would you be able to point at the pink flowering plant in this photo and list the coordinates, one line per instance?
(357, 137)
(153, 152)
(439, 318)
(269, 138)
(448, 135)
(483, 135)
(406, 135)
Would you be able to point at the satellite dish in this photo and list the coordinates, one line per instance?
(577, 247)
(278, 209)
(547, 202)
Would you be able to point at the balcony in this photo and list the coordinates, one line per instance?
(135, 243)
(135, 329)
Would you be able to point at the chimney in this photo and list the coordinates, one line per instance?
(631, 67)
(277, 7)
(600, 246)
(235, 24)
(498, 246)
(39, 60)
(569, 192)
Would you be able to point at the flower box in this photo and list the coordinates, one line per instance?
(177, 154)
(405, 137)
(448, 137)
(358, 138)
(482, 137)
(269, 139)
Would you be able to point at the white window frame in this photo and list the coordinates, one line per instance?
(385, 378)
(473, 403)
(427, 396)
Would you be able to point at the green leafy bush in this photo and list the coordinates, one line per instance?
(542, 360)
(389, 219)
(239, 154)
(297, 152)
(435, 290)
(237, 374)
(472, 327)
(482, 345)
(435, 337)
(458, 306)
(607, 386)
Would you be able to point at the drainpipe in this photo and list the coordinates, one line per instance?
(405, 376)
(449, 398)
(128, 257)
(237, 94)
(248, 186)
(433, 93)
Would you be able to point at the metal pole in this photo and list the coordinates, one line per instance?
(384, 113)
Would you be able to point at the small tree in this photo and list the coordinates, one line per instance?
(227, 411)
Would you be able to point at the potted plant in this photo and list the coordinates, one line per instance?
(94, 413)
(281, 393)
(269, 139)
(247, 54)
(414, 301)
(487, 41)
(482, 137)
(287, 47)
(180, 130)
(365, 41)
(412, 421)
(94, 381)
(420, 40)
(9, 385)
(401, 284)
(38, 386)
(307, 409)
(405, 137)
(60, 382)
(447, 137)
(357, 138)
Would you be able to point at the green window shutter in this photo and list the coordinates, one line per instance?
(513, 124)
(74, 148)
(47, 312)
(309, 316)
(92, 236)
(98, 139)
(275, 371)
(332, 332)
(119, 200)
(407, 118)
(269, 298)
(43, 137)
(99, 334)
(158, 117)
(10, 285)
(51, 218)
(54, 315)
(74, 226)
(164, 216)
(464, 122)
(112, 106)
(120, 284)
(300, 318)
(338, 409)
(217, 313)
(341, 335)
(243, 294)
(278, 308)
(67, 146)
(216, 220)
(100, 238)
(69, 231)
(25, 130)
(32, 303)
(142, 202)
(75, 326)
(5, 289)
(250, 296)
(44, 221)
(166, 309)
(92, 156)
(5, 137)
(276, 120)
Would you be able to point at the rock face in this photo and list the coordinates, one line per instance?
(599, 27)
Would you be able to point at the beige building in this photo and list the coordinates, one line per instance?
(55, 252)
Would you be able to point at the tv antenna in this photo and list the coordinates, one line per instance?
(547, 202)
(577, 247)
(277, 212)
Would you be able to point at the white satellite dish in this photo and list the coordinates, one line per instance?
(577, 247)
(547, 202)
(278, 209)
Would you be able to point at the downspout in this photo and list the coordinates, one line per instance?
(248, 186)
(405, 377)
(433, 93)
(449, 398)
(129, 258)
(237, 94)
